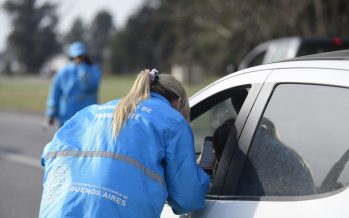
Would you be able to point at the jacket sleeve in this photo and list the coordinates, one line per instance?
(186, 182)
(52, 104)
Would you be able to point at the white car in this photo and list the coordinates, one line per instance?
(289, 47)
(288, 155)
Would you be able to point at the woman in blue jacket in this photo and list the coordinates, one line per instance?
(127, 157)
(73, 87)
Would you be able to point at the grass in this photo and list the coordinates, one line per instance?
(23, 94)
(28, 94)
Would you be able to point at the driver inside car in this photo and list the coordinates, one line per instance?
(209, 158)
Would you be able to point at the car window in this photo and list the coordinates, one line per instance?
(214, 110)
(205, 124)
(215, 119)
(280, 50)
(221, 107)
(301, 146)
(257, 60)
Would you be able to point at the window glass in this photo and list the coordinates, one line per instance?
(257, 60)
(301, 146)
(215, 110)
(205, 124)
(278, 51)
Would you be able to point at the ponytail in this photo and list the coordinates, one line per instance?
(146, 81)
(139, 91)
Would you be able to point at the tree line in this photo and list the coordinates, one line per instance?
(208, 34)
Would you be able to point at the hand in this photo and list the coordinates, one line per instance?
(50, 121)
(198, 160)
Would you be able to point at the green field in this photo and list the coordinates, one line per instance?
(28, 94)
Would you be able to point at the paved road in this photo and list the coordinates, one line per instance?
(22, 140)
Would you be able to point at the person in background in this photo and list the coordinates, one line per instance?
(127, 157)
(73, 87)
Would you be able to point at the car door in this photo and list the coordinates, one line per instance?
(292, 153)
(228, 98)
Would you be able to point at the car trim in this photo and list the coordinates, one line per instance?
(279, 198)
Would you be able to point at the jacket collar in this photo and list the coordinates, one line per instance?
(160, 97)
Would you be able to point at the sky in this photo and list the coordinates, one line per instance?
(69, 10)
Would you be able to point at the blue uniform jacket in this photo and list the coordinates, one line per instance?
(152, 160)
(73, 87)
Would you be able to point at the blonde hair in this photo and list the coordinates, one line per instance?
(166, 85)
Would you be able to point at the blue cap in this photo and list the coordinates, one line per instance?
(76, 49)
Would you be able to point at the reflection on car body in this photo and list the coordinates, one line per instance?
(290, 155)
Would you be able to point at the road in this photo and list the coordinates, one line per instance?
(22, 139)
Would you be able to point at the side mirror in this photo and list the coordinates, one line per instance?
(208, 160)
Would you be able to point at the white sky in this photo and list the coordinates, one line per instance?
(68, 10)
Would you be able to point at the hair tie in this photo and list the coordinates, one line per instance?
(154, 75)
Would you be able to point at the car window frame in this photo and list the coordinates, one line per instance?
(255, 88)
(228, 151)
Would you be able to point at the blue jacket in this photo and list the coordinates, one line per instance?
(73, 87)
(88, 174)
